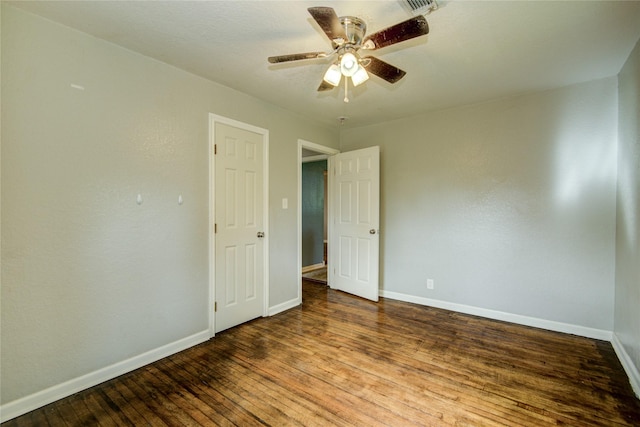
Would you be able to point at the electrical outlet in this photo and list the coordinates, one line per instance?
(429, 283)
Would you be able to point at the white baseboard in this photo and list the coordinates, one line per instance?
(284, 306)
(29, 403)
(627, 364)
(313, 267)
(550, 325)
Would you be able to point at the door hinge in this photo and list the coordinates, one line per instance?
(215, 149)
(215, 228)
(215, 306)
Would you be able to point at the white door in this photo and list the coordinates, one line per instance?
(355, 241)
(239, 225)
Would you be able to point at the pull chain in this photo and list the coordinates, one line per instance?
(346, 89)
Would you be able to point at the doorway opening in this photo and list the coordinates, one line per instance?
(314, 219)
(313, 212)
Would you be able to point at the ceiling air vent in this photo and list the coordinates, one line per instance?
(421, 6)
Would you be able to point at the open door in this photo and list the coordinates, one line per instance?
(355, 234)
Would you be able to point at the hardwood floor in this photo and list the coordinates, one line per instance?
(318, 275)
(341, 360)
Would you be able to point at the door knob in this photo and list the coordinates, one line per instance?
(260, 234)
(372, 231)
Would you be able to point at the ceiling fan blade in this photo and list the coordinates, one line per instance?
(324, 86)
(411, 28)
(382, 69)
(329, 22)
(296, 57)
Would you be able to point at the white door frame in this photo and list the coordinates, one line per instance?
(325, 153)
(213, 119)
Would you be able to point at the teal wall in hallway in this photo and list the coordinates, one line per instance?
(313, 212)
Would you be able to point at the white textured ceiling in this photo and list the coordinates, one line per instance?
(476, 50)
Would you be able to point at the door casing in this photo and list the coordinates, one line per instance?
(324, 152)
(213, 119)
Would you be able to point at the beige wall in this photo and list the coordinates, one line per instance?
(90, 278)
(627, 294)
(508, 205)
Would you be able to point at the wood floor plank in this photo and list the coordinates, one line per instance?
(288, 404)
(146, 404)
(158, 391)
(67, 413)
(111, 406)
(338, 378)
(82, 414)
(473, 371)
(103, 418)
(339, 360)
(396, 362)
(128, 414)
(408, 390)
(306, 412)
(33, 418)
(183, 397)
(236, 389)
(343, 374)
(225, 408)
(308, 388)
(371, 368)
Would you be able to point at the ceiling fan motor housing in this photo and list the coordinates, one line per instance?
(355, 29)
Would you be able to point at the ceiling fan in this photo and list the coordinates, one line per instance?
(347, 35)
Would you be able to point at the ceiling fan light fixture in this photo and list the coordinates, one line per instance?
(349, 64)
(360, 76)
(333, 75)
(347, 36)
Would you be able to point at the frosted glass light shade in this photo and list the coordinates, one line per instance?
(349, 64)
(360, 76)
(333, 75)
